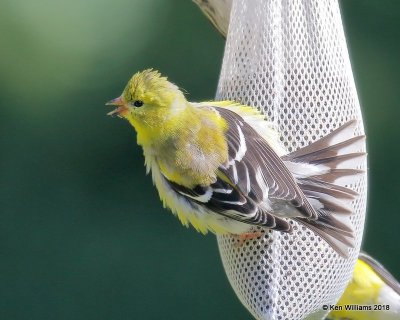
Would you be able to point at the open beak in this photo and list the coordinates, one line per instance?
(120, 104)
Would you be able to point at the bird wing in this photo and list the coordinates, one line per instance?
(385, 275)
(258, 172)
(252, 184)
(227, 200)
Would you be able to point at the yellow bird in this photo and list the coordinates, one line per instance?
(372, 294)
(219, 165)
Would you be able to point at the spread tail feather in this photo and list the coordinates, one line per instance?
(322, 169)
(338, 240)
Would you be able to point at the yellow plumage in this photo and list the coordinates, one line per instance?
(369, 289)
(167, 125)
(165, 128)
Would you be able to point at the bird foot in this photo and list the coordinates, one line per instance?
(242, 238)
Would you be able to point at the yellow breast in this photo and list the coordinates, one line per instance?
(193, 153)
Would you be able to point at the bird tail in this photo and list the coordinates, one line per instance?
(322, 170)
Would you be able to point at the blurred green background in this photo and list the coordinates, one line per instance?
(82, 232)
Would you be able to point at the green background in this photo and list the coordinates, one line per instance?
(82, 232)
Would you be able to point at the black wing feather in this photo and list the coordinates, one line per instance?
(280, 183)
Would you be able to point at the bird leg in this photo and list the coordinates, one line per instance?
(243, 237)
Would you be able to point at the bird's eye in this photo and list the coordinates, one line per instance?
(138, 103)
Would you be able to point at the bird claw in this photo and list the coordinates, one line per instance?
(242, 238)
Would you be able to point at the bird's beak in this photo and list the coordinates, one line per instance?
(121, 106)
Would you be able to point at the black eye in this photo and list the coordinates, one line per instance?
(138, 103)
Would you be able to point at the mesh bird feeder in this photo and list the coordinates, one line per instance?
(289, 59)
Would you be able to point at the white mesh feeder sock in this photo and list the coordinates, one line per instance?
(289, 59)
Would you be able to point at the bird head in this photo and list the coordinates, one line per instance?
(148, 101)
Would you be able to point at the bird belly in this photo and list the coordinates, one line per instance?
(191, 213)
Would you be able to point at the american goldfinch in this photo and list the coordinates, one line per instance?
(219, 167)
(372, 294)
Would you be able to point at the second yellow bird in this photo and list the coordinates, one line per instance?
(372, 294)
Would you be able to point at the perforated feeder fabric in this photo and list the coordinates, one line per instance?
(290, 60)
